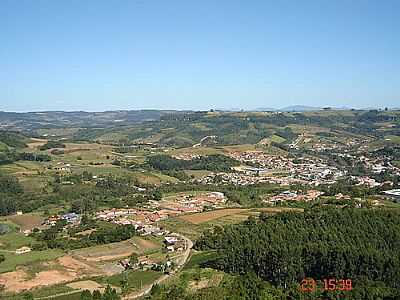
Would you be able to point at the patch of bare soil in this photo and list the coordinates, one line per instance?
(35, 143)
(66, 269)
(19, 280)
(75, 265)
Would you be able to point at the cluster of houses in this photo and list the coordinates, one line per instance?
(365, 180)
(62, 167)
(282, 170)
(379, 165)
(261, 159)
(145, 220)
(70, 218)
(310, 195)
(172, 243)
(307, 174)
(316, 172)
(184, 203)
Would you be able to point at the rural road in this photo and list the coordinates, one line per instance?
(181, 261)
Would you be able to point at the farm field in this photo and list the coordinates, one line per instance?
(23, 168)
(135, 279)
(153, 177)
(211, 215)
(35, 143)
(197, 173)
(13, 240)
(117, 250)
(232, 214)
(393, 138)
(277, 139)
(197, 151)
(13, 261)
(86, 285)
(26, 221)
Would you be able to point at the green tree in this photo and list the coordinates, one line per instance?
(133, 259)
(110, 294)
(86, 295)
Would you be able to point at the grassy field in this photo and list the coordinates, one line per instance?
(14, 240)
(244, 147)
(51, 290)
(197, 151)
(26, 221)
(203, 217)
(11, 241)
(117, 250)
(225, 220)
(12, 260)
(74, 296)
(3, 147)
(277, 139)
(34, 183)
(192, 225)
(174, 195)
(393, 138)
(23, 167)
(197, 173)
(199, 257)
(155, 178)
(230, 215)
(186, 228)
(135, 279)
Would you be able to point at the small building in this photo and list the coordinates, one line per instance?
(52, 220)
(23, 250)
(394, 194)
(71, 217)
(171, 240)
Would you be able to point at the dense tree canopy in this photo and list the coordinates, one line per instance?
(283, 249)
(217, 163)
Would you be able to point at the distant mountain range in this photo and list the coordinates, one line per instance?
(299, 108)
(292, 108)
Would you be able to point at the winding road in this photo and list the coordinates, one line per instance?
(180, 262)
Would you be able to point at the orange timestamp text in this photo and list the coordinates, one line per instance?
(327, 284)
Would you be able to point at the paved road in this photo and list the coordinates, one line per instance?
(181, 261)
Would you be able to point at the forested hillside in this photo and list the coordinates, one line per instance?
(284, 249)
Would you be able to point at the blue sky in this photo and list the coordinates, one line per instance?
(168, 54)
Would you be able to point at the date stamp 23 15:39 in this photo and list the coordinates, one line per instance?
(309, 285)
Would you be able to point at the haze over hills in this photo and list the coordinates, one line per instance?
(28, 121)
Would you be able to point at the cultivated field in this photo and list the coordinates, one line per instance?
(238, 213)
(211, 215)
(116, 251)
(26, 221)
(86, 285)
(36, 143)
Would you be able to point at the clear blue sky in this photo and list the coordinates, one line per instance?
(103, 55)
